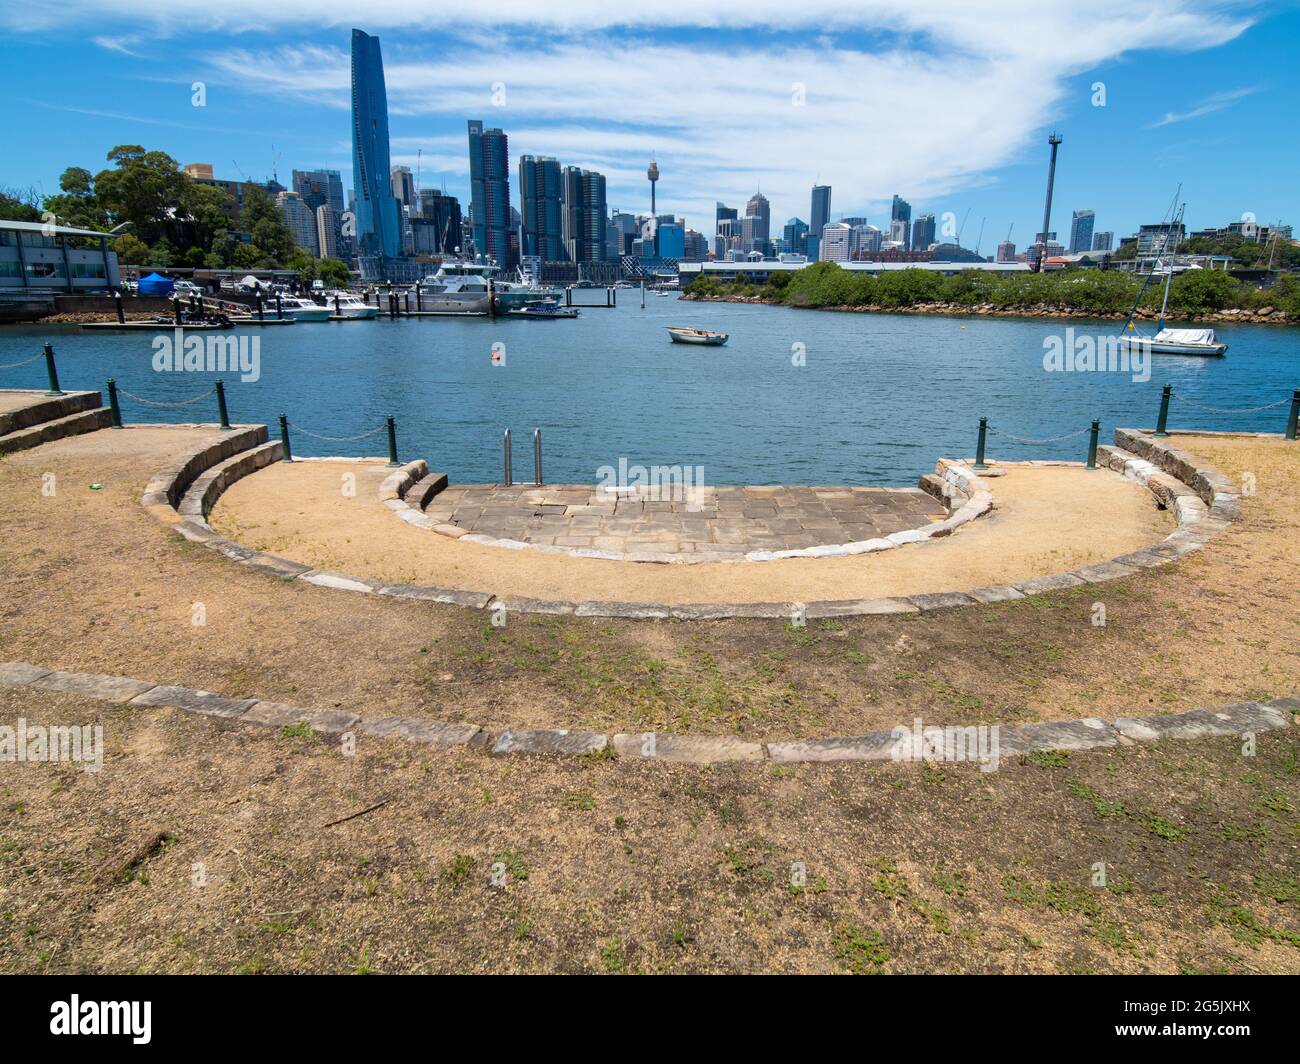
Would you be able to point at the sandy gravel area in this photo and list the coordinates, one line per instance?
(1047, 519)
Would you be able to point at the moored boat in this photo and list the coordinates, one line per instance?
(685, 335)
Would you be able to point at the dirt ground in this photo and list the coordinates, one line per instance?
(93, 582)
(1047, 520)
(614, 865)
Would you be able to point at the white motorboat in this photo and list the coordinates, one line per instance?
(349, 305)
(303, 309)
(697, 336)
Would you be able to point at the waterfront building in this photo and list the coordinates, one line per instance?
(1006, 251)
(923, 232)
(377, 217)
(299, 219)
(1081, 223)
(1160, 239)
(36, 259)
(836, 242)
(1102, 241)
(900, 211)
(489, 181)
(817, 219)
(327, 228)
(540, 206)
(583, 214)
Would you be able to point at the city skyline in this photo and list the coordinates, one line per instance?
(994, 171)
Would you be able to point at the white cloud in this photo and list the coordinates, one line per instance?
(1220, 101)
(946, 92)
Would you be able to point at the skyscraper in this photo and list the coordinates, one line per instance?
(1006, 251)
(1102, 241)
(923, 231)
(378, 224)
(441, 222)
(795, 234)
(900, 211)
(299, 219)
(836, 245)
(821, 214)
(584, 214)
(540, 194)
(1081, 223)
(757, 223)
(489, 182)
(324, 188)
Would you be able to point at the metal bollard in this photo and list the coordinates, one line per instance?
(176, 308)
(1294, 416)
(221, 405)
(1092, 444)
(279, 306)
(284, 438)
(336, 306)
(979, 446)
(1163, 420)
(113, 404)
(509, 477)
(537, 456)
(392, 442)
(52, 371)
(117, 302)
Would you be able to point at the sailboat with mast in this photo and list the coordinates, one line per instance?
(1170, 341)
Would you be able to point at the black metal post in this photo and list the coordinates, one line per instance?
(1163, 420)
(1294, 416)
(419, 305)
(392, 442)
(336, 306)
(261, 306)
(176, 308)
(117, 303)
(221, 405)
(113, 405)
(979, 446)
(284, 437)
(279, 305)
(1092, 444)
(52, 371)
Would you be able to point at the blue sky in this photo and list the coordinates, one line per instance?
(947, 102)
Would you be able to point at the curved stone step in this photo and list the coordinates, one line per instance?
(60, 428)
(45, 408)
(422, 492)
(209, 485)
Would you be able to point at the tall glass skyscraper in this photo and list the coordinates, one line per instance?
(378, 223)
(901, 211)
(821, 214)
(540, 194)
(489, 184)
(584, 215)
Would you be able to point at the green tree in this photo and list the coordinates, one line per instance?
(19, 205)
(131, 250)
(262, 221)
(1203, 291)
(334, 273)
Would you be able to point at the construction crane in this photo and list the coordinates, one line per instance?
(980, 239)
(240, 169)
(962, 226)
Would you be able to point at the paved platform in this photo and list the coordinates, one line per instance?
(719, 520)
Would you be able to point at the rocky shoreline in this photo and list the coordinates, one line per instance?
(1263, 316)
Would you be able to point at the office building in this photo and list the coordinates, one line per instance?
(1081, 223)
(438, 231)
(327, 229)
(200, 170)
(820, 215)
(583, 214)
(489, 182)
(377, 219)
(540, 199)
(1006, 251)
(923, 232)
(1102, 241)
(795, 235)
(299, 219)
(836, 242)
(756, 227)
(900, 211)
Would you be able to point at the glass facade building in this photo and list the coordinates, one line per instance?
(378, 224)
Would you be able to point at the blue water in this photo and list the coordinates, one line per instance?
(880, 398)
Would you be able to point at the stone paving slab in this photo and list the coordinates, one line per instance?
(423, 730)
(762, 518)
(1230, 720)
(549, 741)
(19, 673)
(192, 701)
(278, 714)
(695, 750)
(94, 685)
(1087, 734)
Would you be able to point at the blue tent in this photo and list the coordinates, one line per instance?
(156, 285)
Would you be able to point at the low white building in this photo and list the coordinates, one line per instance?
(37, 258)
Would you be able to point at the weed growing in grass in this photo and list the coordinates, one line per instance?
(582, 800)
(458, 871)
(1163, 829)
(612, 953)
(859, 951)
(514, 863)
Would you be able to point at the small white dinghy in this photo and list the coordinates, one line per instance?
(697, 336)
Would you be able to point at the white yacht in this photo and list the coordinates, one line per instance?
(460, 285)
(349, 305)
(304, 309)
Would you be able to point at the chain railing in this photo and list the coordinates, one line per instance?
(1167, 394)
(1092, 432)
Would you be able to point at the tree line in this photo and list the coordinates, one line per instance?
(1077, 290)
(168, 219)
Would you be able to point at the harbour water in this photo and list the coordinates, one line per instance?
(877, 399)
